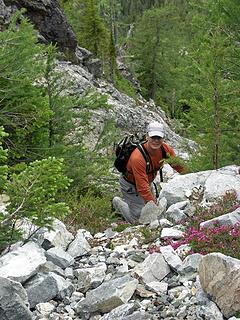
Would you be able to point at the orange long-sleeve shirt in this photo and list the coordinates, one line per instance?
(136, 170)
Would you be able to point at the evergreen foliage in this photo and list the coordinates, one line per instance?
(213, 117)
(36, 188)
(35, 195)
(90, 28)
(93, 31)
(157, 49)
(23, 108)
(61, 104)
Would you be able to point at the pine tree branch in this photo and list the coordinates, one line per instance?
(12, 215)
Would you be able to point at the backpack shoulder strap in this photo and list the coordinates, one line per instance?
(146, 156)
(164, 153)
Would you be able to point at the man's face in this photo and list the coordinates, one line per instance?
(155, 142)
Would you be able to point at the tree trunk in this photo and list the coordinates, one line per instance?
(50, 102)
(217, 129)
(173, 104)
(113, 21)
(153, 89)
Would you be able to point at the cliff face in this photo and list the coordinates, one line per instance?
(49, 19)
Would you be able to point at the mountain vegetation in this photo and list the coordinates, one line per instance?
(184, 53)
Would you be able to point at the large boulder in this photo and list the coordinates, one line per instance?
(79, 246)
(13, 301)
(220, 279)
(204, 186)
(46, 286)
(222, 180)
(41, 288)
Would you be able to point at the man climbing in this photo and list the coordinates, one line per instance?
(136, 183)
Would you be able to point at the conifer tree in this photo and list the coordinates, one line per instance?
(92, 27)
(60, 103)
(24, 110)
(112, 57)
(214, 117)
(156, 52)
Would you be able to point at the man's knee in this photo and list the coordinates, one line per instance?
(122, 207)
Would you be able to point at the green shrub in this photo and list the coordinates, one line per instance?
(148, 234)
(90, 211)
(35, 194)
(125, 86)
(217, 238)
(122, 225)
(223, 205)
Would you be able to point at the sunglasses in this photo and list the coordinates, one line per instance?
(156, 138)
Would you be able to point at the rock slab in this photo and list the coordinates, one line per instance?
(220, 278)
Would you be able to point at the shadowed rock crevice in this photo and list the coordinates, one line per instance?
(50, 21)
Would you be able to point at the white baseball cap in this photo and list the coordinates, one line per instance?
(155, 129)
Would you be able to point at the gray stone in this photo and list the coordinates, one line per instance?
(190, 263)
(65, 287)
(153, 268)
(220, 181)
(171, 257)
(95, 67)
(79, 246)
(90, 278)
(157, 286)
(69, 273)
(175, 190)
(59, 257)
(120, 312)
(178, 211)
(210, 184)
(209, 312)
(5, 15)
(59, 236)
(107, 296)
(22, 263)
(13, 301)
(150, 212)
(45, 309)
(165, 223)
(220, 278)
(41, 288)
(51, 22)
(139, 315)
(49, 266)
(171, 233)
(229, 219)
